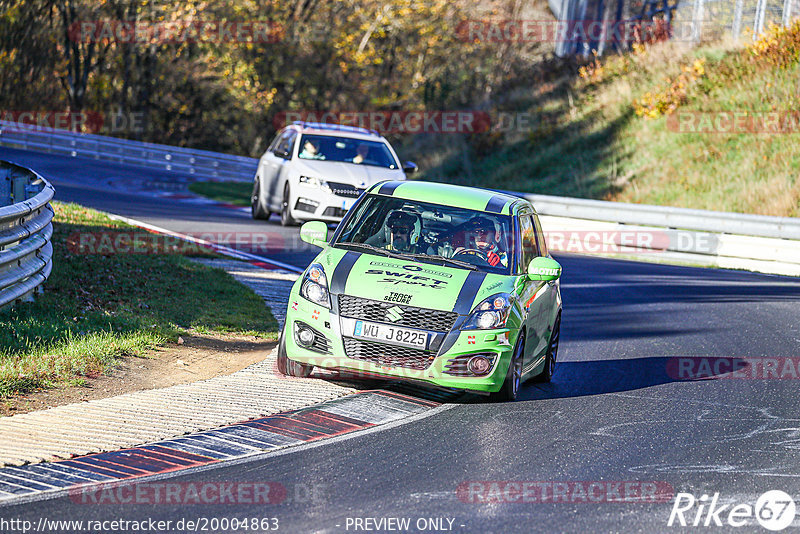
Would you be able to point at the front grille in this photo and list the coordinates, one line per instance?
(334, 212)
(301, 205)
(375, 310)
(344, 190)
(387, 355)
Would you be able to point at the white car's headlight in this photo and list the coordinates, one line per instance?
(315, 286)
(315, 182)
(490, 313)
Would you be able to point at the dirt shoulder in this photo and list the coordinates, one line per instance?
(199, 357)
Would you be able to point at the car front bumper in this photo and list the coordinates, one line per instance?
(331, 353)
(314, 203)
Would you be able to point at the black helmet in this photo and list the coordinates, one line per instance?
(401, 220)
(480, 223)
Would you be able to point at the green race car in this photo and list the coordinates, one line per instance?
(441, 284)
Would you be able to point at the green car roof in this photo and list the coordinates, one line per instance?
(448, 195)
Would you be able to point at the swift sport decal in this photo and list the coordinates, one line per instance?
(405, 278)
(412, 268)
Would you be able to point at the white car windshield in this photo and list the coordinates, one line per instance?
(424, 231)
(347, 150)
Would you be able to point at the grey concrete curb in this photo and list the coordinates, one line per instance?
(146, 416)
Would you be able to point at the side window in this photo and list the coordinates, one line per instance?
(528, 234)
(540, 237)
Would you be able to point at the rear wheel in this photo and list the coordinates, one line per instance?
(513, 380)
(256, 209)
(286, 215)
(552, 353)
(289, 367)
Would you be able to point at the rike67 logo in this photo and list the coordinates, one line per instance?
(774, 510)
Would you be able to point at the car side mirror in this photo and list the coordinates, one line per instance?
(409, 167)
(315, 233)
(283, 154)
(543, 268)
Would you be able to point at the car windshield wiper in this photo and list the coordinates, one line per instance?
(372, 248)
(444, 259)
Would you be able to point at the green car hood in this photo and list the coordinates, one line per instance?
(418, 284)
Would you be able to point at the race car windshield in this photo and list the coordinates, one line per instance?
(432, 233)
(347, 150)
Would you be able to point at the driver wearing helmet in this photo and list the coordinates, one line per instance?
(403, 231)
(483, 244)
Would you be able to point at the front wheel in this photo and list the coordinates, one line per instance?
(256, 209)
(552, 354)
(286, 215)
(289, 367)
(513, 380)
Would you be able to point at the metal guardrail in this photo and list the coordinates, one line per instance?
(668, 217)
(26, 253)
(201, 163)
(671, 235)
(769, 244)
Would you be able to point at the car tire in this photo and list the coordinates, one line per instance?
(552, 353)
(513, 380)
(256, 209)
(286, 215)
(289, 367)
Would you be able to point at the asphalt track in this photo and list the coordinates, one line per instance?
(616, 410)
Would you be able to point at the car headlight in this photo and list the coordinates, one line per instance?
(315, 286)
(490, 313)
(315, 182)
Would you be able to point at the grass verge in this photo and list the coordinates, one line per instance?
(101, 304)
(608, 130)
(235, 193)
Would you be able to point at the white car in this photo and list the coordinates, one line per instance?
(315, 171)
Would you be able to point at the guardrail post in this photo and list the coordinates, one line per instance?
(736, 30)
(761, 11)
(5, 189)
(697, 21)
(18, 188)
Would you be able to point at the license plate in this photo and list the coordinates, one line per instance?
(391, 334)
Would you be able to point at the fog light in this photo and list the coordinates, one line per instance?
(305, 336)
(479, 365)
